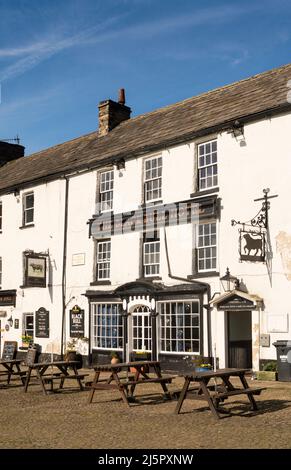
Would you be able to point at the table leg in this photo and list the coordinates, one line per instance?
(20, 374)
(27, 379)
(95, 380)
(250, 397)
(209, 399)
(182, 395)
(39, 375)
(120, 388)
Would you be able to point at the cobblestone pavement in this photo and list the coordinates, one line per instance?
(66, 420)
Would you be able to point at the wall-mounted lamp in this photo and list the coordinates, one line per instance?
(10, 321)
(120, 166)
(227, 280)
(237, 131)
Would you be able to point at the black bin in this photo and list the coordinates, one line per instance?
(283, 348)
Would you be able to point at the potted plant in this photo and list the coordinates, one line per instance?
(115, 359)
(26, 339)
(203, 367)
(269, 371)
(71, 350)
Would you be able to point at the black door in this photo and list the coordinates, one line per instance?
(240, 339)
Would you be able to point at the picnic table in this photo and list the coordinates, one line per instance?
(67, 370)
(126, 383)
(11, 367)
(218, 392)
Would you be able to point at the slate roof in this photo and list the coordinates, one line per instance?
(163, 127)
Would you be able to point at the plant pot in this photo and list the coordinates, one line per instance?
(71, 356)
(115, 360)
(267, 375)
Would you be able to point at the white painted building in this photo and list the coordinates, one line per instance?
(121, 236)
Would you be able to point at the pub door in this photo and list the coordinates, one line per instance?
(141, 330)
(239, 334)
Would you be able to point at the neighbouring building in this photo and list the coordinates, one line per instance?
(146, 236)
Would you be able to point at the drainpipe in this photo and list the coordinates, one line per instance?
(63, 334)
(202, 284)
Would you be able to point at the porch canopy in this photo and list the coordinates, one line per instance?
(236, 300)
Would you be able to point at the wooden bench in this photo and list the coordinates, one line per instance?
(238, 391)
(49, 379)
(151, 380)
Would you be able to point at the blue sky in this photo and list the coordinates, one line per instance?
(59, 58)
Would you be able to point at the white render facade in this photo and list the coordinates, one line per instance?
(161, 296)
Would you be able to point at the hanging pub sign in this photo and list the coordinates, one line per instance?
(35, 271)
(254, 237)
(252, 245)
(42, 323)
(77, 323)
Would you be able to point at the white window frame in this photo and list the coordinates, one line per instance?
(153, 262)
(1, 272)
(28, 331)
(106, 189)
(207, 246)
(25, 209)
(104, 311)
(153, 176)
(139, 314)
(207, 163)
(103, 263)
(165, 325)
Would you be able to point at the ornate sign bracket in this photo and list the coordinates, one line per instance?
(254, 242)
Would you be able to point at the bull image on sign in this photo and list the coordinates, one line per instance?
(252, 246)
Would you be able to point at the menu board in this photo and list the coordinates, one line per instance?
(9, 350)
(42, 323)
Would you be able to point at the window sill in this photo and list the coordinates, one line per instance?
(204, 274)
(26, 226)
(100, 283)
(151, 203)
(205, 192)
(32, 287)
(149, 278)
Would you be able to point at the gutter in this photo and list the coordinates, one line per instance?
(205, 285)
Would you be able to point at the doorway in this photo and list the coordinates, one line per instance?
(141, 329)
(239, 334)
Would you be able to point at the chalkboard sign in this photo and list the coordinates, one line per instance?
(9, 350)
(77, 327)
(42, 323)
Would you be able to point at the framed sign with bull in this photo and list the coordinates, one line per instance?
(254, 235)
(35, 271)
(252, 245)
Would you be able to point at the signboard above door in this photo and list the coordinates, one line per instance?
(236, 302)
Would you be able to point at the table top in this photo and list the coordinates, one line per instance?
(10, 361)
(218, 373)
(55, 363)
(121, 365)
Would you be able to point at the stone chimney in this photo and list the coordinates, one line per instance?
(9, 152)
(112, 113)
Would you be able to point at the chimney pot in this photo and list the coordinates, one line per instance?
(121, 96)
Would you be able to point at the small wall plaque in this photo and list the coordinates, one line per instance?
(78, 259)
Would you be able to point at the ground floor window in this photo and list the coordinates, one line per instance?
(179, 326)
(28, 326)
(107, 326)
